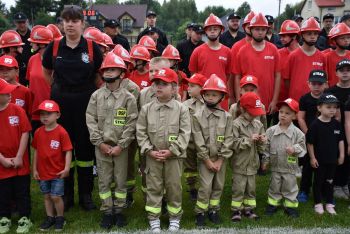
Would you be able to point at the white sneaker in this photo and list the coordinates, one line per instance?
(319, 208)
(174, 225)
(339, 193)
(330, 209)
(155, 225)
(346, 190)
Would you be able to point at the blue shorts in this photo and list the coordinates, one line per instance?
(55, 187)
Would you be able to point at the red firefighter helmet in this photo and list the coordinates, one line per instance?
(140, 52)
(214, 83)
(259, 20)
(108, 40)
(289, 27)
(339, 30)
(121, 52)
(55, 31)
(10, 38)
(310, 25)
(148, 42)
(95, 35)
(213, 20)
(170, 52)
(41, 35)
(248, 18)
(112, 60)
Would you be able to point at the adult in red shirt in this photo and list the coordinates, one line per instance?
(289, 36)
(212, 57)
(303, 60)
(260, 58)
(340, 38)
(140, 58)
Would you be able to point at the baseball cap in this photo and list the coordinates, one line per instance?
(291, 103)
(8, 61)
(252, 104)
(345, 17)
(150, 13)
(248, 79)
(233, 16)
(112, 23)
(167, 75)
(6, 88)
(318, 76)
(19, 17)
(49, 106)
(328, 16)
(297, 17)
(197, 78)
(190, 25)
(327, 98)
(343, 63)
(198, 28)
(270, 19)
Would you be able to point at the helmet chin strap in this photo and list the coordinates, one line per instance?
(140, 65)
(340, 46)
(307, 42)
(288, 44)
(110, 79)
(212, 105)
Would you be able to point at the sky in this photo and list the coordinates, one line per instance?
(267, 7)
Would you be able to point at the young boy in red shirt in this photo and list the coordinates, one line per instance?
(140, 57)
(51, 162)
(14, 162)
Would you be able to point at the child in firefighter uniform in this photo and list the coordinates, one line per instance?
(212, 135)
(285, 144)
(163, 133)
(248, 140)
(111, 119)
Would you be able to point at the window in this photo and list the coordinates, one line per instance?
(331, 9)
(309, 5)
(127, 25)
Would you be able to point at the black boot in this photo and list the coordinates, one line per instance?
(214, 217)
(200, 220)
(107, 221)
(86, 202)
(120, 220)
(129, 199)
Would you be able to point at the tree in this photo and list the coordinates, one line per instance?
(3, 8)
(58, 5)
(4, 24)
(243, 9)
(289, 12)
(108, 2)
(31, 7)
(42, 18)
(219, 11)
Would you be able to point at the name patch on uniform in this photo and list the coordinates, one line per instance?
(13, 120)
(54, 144)
(220, 138)
(121, 112)
(292, 159)
(20, 102)
(85, 57)
(119, 122)
(172, 138)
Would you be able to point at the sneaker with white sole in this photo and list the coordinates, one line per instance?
(155, 225)
(319, 208)
(24, 224)
(5, 225)
(174, 225)
(330, 209)
(339, 193)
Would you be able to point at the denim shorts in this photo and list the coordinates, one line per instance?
(54, 187)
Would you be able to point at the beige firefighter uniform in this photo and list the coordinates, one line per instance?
(283, 183)
(190, 163)
(245, 162)
(212, 135)
(163, 126)
(111, 119)
(234, 111)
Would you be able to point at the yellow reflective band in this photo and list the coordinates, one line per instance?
(72, 164)
(172, 138)
(249, 202)
(273, 202)
(190, 174)
(174, 210)
(144, 189)
(220, 138)
(130, 182)
(214, 202)
(85, 163)
(121, 112)
(236, 204)
(106, 195)
(119, 122)
(120, 195)
(292, 159)
(290, 204)
(154, 210)
(202, 205)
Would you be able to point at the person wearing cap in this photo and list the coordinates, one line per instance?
(248, 140)
(71, 65)
(307, 114)
(298, 19)
(339, 36)
(342, 91)
(21, 95)
(163, 131)
(212, 136)
(188, 30)
(151, 19)
(325, 143)
(51, 162)
(195, 84)
(212, 57)
(232, 34)
(111, 118)
(327, 21)
(260, 58)
(271, 36)
(21, 22)
(186, 47)
(14, 162)
(285, 145)
(112, 29)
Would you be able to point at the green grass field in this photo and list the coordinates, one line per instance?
(80, 221)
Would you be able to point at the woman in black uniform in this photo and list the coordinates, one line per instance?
(71, 66)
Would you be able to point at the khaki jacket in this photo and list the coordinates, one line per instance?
(147, 95)
(111, 117)
(212, 134)
(275, 152)
(164, 126)
(129, 85)
(245, 159)
(234, 112)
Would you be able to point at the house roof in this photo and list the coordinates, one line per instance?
(330, 3)
(137, 12)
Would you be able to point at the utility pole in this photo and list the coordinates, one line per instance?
(279, 13)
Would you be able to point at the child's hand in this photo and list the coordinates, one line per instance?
(156, 155)
(264, 166)
(17, 162)
(116, 151)
(262, 138)
(165, 153)
(218, 164)
(105, 148)
(36, 175)
(314, 162)
(7, 162)
(340, 160)
(255, 137)
(210, 165)
(63, 174)
(290, 150)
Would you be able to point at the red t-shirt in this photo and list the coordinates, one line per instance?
(332, 58)
(298, 68)
(207, 61)
(284, 53)
(37, 83)
(142, 81)
(234, 51)
(23, 97)
(261, 64)
(14, 122)
(51, 147)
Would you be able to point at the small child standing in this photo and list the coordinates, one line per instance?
(14, 162)
(195, 84)
(325, 143)
(111, 119)
(212, 135)
(248, 140)
(285, 144)
(163, 133)
(51, 162)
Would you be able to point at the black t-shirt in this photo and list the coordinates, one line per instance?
(308, 104)
(325, 137)
(186, 48)
(162, 36)
(121, 40)
(275, 39)
(227, 39)
(342, 94)
(24, 58)
(72, 67)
